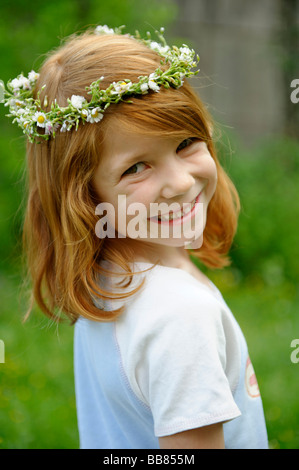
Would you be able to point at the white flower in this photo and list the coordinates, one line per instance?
(104, 30)
(181, 77)
(77, 101)
(22, 115)
(63, 127)
(152, 84)
(144, 87)
(19, 103)
(66, 126)
(95, 115)
(21, 119)
(155, 46)
(84, 113)
(15, 84)
(186, 54)
(121, 87)
(33, 76)
(40, 119)
(26, 125)
(185, 50)
(48, 128)
(24, 83)
(14, 104)
(20, 82)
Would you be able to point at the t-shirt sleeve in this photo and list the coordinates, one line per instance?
(176, 360)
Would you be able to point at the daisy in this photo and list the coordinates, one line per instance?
(40, 119)
(95, 115)
(121, 87)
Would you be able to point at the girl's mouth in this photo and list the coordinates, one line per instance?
(185, 213)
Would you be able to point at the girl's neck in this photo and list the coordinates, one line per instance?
(163, 255)
(181, 261)
(171, 257)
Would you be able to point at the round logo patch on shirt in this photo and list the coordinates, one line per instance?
(250, 380)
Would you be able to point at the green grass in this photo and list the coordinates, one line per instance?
(37, 407)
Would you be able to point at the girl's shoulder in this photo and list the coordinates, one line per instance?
(175, 314)
(160, 295)
(176, 282)
(173, 293)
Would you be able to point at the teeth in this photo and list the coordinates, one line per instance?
(170, 216)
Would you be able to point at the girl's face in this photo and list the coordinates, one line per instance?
(157, 188)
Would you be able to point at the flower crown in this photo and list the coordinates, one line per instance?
(28, 112)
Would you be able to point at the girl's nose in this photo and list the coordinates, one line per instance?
(177, 180)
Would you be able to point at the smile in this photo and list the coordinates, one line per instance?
(180, 216)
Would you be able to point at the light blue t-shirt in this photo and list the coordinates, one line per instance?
(175, 360)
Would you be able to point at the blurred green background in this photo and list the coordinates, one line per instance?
(37, 402)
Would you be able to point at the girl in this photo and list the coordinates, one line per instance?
(113, 128)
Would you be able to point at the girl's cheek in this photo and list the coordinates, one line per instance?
(210, 174)
(211, 169)
(143, 193)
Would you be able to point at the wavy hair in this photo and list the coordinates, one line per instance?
(62, 250)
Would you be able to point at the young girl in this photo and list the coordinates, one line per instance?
(120, 149)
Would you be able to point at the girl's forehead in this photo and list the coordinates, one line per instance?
(120, 140)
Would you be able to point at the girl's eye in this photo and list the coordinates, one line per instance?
(186, 143)
(135, 169)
